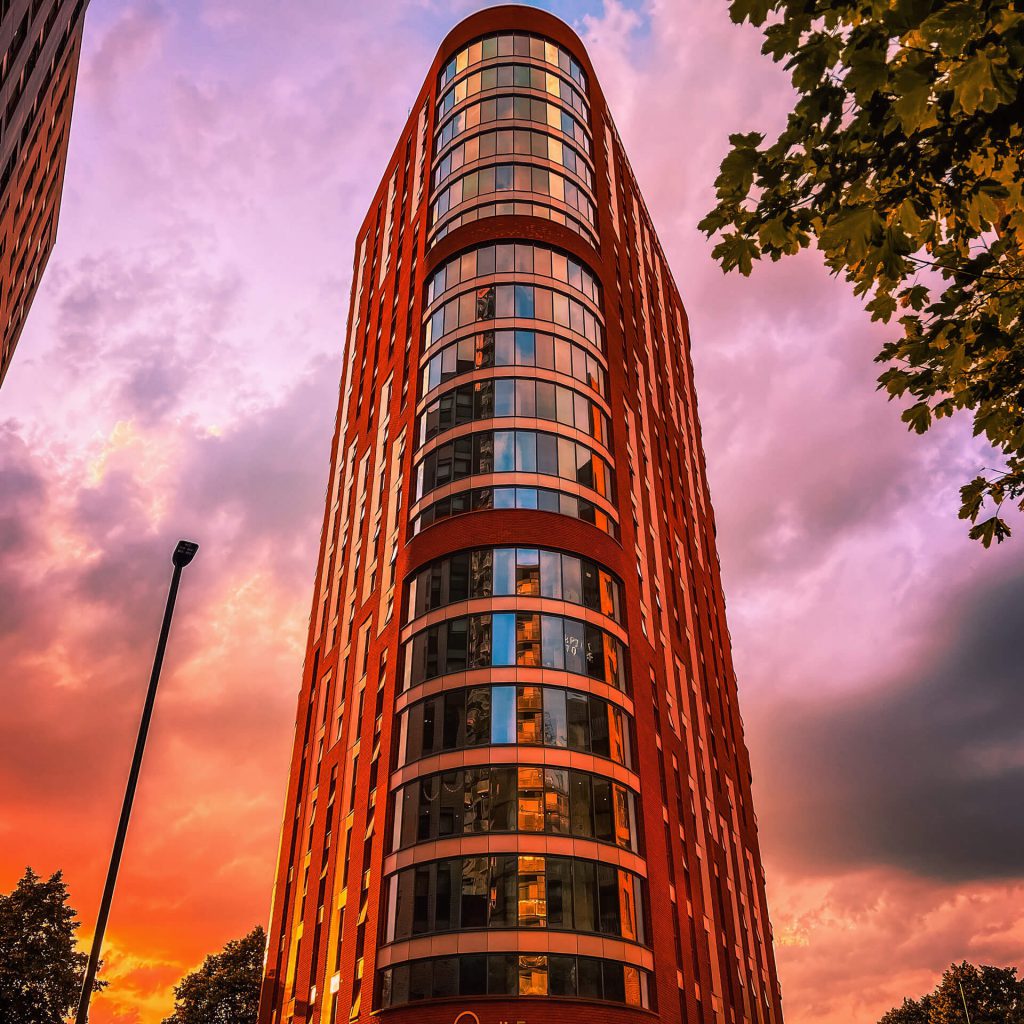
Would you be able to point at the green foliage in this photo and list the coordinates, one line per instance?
(902, 158)
(40, 969)
(993, 995)
(226, 989)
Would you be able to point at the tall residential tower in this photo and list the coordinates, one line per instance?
(519, 789)
(40, 42)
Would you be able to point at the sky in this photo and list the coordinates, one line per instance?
(178, 377)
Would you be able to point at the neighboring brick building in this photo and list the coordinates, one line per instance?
(40, 43)
(519, 788)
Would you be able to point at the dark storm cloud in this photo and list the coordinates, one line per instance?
(923, 773)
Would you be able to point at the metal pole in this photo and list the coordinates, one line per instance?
(963, 999)
(183, 554)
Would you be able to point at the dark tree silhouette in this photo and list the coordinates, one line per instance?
(226, 989)
(991, 995)
(40, 968)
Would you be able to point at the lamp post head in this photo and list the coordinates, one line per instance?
(184, 553)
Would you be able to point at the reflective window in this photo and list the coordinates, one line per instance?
(511, 798)
(513, 348)
(592, 726)
(500, 301)
(516, 572)
(513, 257)
(509, 45)
(513, 451)
(514, 638)
(512, 396)
(514, 974)
(542, 498)
(513, 178)
(514, 891)
(513, 76)
(507, 141)
(518, 108)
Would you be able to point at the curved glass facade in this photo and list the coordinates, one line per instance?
(508, 44)
(487, 452)
(534, 799)
(512, 75)
(543, 499)
(516, 975)
(518, 141)
(540, 101)
(506, 639)
(507, 397)
(532, 258)
(514, 891)
(514, 301)
(515, 572)
(521, 348)
(522, 322)
(502, 715)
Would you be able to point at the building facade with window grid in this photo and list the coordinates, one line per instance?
(519, 788)
(40, 45)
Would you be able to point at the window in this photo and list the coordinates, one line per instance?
(523, 798)
(527, 714)
(527, 891)
(514, 974)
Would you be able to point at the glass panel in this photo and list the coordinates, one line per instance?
(421, 974)
(476, 800)
(504, 787)
(501, 974)
(504, 907)
(608, 899)
(555, 725)
(603, 828)
(558, 885)
(556, 801)
(527, 572)
(562, 975)
(577, 714)
(478, 716)
(552, 642)
(503, 637)
(584, 901)
(473, 974)
(481, 573)
(572, 582)
(504, 571)
(533, 975)
(528, 640)
(503, 714)
(549, 563)
(532, 892)
(530, 814)
(529, 715)
(581, 812)
(475, 892)
(575, 646)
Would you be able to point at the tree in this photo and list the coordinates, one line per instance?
(902, 158)
(992, 995)
(40, 969)
(226, 989)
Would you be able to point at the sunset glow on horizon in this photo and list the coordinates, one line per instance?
(178, 377)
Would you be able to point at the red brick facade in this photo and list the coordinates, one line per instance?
(384, 905)
(39, 50)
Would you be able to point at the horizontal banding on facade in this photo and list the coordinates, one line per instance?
(516, 941)
(515, 842)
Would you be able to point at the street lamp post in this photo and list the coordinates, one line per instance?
(183, 554)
